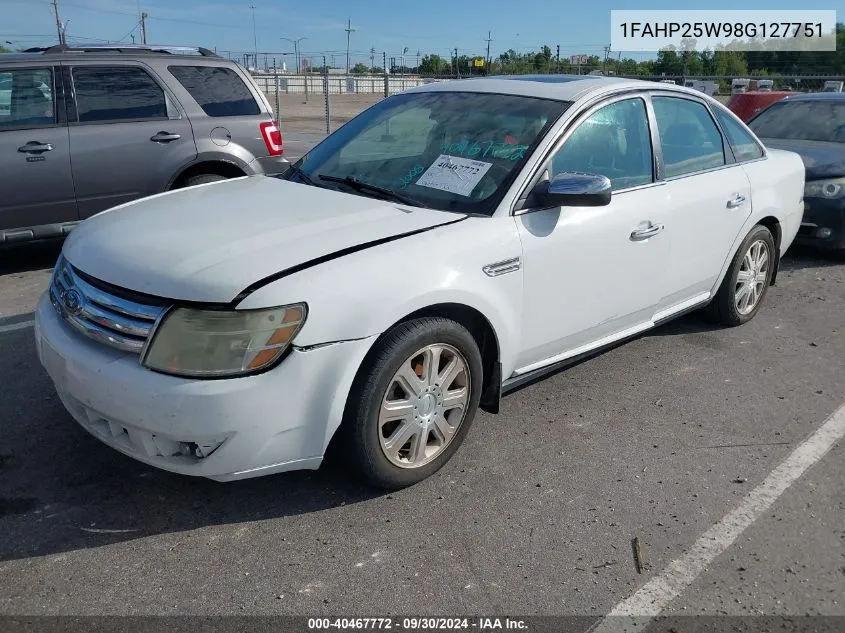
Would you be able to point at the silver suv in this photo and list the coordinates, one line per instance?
(86, 129)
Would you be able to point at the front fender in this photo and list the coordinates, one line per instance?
(363, 294)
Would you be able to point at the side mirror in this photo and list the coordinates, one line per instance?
(573, 189)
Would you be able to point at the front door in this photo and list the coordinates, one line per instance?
(594, 274)
(36, 187)
(129, 137)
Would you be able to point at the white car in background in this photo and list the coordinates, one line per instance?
(446, 246)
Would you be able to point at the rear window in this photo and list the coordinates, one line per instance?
(218, 91)
(805, 120)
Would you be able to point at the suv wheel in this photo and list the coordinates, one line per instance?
(202, 179)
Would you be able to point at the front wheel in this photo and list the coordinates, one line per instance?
(745, 284)
(413, 402)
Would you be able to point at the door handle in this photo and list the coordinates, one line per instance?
(736, 201)
(643, 234)
(165, 137)
(34, 147)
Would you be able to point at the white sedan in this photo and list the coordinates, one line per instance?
(442, 248)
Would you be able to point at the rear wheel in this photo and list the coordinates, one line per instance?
(745, 285)
(413, 402)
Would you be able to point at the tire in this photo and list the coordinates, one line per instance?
(201, 179)
(368, 438)
(728, 306)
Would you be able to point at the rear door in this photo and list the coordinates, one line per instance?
(128, 135)
(35, 175)
(709, 195)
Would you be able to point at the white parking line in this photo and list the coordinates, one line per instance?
(654, 596)
(16, 326)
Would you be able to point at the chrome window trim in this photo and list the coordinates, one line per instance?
(725, 143)
(727, 112)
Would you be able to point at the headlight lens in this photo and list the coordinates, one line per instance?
(833, 188)
(212, 343)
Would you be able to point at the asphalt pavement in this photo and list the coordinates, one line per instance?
(296, 144)
(658, 439)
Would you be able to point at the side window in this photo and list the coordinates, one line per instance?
(742, 143)
(26, 98)
(689, 137)
(614, 142)
(218, 91)
(117, 93)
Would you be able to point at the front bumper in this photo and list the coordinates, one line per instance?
(821, 214)
(221, 429)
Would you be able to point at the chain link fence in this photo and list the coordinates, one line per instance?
(320, 102)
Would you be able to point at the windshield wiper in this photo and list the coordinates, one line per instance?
(296, 170)
(360, 185)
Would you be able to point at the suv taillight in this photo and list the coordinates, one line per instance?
(272, 136)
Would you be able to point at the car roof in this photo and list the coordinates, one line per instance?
(65, 53)
(558, 87)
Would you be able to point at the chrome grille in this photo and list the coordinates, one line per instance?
(100, 315)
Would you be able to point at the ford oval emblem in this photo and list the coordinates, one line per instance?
(72, 301)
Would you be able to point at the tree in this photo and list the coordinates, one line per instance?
(433, 65)
(3, 49)
(359, 69)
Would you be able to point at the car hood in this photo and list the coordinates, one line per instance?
(209, 243)
(821, 159)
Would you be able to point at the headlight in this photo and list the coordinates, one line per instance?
(212, 343)
(833, 188)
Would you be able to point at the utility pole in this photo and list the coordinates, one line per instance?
(254, 38)
(557, 66)
(457, 67)
(606, 53)
(349, 30)
(386, 77)
(144, 16)
(372, 58)
(489, 39)
(59, 28)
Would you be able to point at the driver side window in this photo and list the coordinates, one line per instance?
(614, 141)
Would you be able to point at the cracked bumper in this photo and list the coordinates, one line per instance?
(244, 427)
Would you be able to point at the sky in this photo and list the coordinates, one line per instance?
(426, 26)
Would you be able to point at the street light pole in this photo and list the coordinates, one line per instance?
(295, 49)
(254, 37)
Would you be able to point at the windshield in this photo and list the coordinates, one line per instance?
(454, 151)
(802, 120)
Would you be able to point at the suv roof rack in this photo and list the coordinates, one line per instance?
(130, 48)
